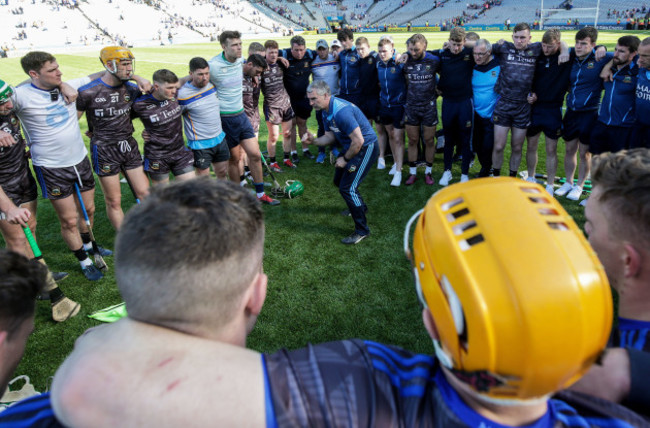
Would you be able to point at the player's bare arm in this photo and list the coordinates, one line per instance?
(14, 214)
(564, 53)
(606, 73)
(327, 139)
(357, 142)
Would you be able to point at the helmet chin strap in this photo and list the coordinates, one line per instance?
(114, 71)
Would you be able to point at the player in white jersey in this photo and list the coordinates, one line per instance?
(226, 75)
(59, 155)
(201, 121)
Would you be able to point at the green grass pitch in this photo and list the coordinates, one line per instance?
(319, 290)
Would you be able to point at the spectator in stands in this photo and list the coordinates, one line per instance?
(484, 79)
(549, 87)
(618, 228)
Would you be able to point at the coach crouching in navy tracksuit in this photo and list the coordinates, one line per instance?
(344, 122)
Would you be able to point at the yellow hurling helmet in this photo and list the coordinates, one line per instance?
(111, 55)
(521, 304)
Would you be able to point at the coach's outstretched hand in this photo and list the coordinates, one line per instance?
(308, 138)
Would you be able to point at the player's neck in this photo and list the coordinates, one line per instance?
(110, 79)
(40, 85)
(634, 302)
(515, 415)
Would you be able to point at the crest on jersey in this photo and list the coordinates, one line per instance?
(306, 65)
(13, 120)
(127, 98)
(468, 124)
(274, 70)
(369, 60)
(427, 68)
(352, 59)
(495, 118)
(352, 168)
(494, 73)
(392, 70)
(466, 58)
(590, 64)
(627, 79)
(56, 192)
(529, 53)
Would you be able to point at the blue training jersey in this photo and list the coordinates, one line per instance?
(344, 117)
(484, 78)
(643, 97)
(585, 84)
(631, 334)
(392, 83)
(617, 108)
(350, 65)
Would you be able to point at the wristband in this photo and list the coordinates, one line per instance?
(346, 159)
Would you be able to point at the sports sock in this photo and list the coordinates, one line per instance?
(286, 156)
(85, 238)
(294, 152)
(55, 295)
(82, 256)
(413, 168)
(242, 183)
(495, 171)
(272, 159)
(305, 150)
(242, 177)
(259, 189)
(427, 170)
(513, 173)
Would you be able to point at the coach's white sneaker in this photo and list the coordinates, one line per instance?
(446, 178)
(531, 179)
(393, 169)
(549, 189)
(381, 163)
(563, 189)
(397, 179)
(464, 178)
(575, 193)
(583, 203)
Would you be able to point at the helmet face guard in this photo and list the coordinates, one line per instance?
(112, 55)
(6, 92)
(520, 301)
(292, 189)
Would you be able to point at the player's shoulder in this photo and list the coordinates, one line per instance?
(145, 98)
(429, 57)
(576, 409)
(90, 85)
(35, 411)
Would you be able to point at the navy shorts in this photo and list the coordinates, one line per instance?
(421, 115)
(58, 183)
(22, 188)
(178, 162)
(579, 124)
(370, 107)
(277, 116)
(204, 157)
(511, 114)
(391, 116)
(546, 119)
(301, 108)
(237, 129)
(640, 136)
(109, 159)
(608, 138)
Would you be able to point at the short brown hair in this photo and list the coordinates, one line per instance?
(226, 35)
(271, 44)
(297, 40)
(630, 42)
(623, 181)
(587, 32)
(361, 41)
(457, 34)
(522, 26)
(35, 60)
(417, 38)
(255, 48)
(551, 36)
(386, 40)
(164, 76)
(188, 252)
